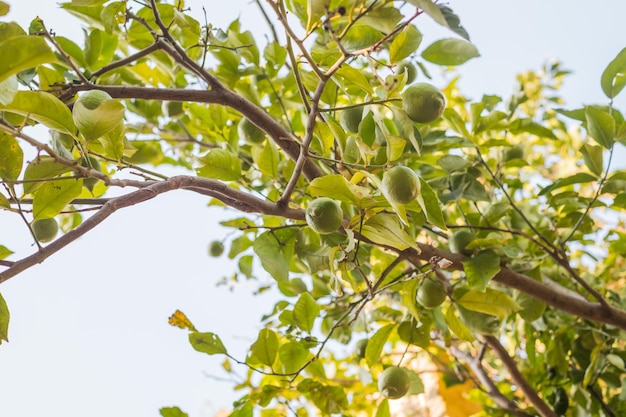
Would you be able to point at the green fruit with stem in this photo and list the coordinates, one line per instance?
(411, 71)
(394, 382)
(459, 240)
(423, 102)
(45, 230)
(250, 132)
(324, 215)
(216, 248)
(431, 293)
(350, 118)
(401, 185)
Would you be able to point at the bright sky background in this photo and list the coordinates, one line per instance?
(89, 333)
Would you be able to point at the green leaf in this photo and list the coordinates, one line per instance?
(339, 188)
(384, 19)
(44, 108)
(384, 229)
(416, 385)
(481, 268)
(404, 44)
(600, 125)
(315, 10)
(274, 255)
(220, 164)
(208, 343)
(292, 356)
(429, 202)
(4, 320)
(172, 412)
(53, 196)
(613, 78)
(456, 326)
(592, 156)
(580, 178)
(20, 53)
(305, 312)
(4, 251)
(42, 168)
(376, 343)
(350, 75)
(450, 51)
(96, 123)
(431, 10)
(8, 89)
(11, 157)
(490, 301)
(4, 8)
(265, 348)
(359, 37)
(383, 409)
(267, 158)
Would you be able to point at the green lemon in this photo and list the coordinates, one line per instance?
(216, 248)
(350, 118)
(92, 99)
(250, 132)
(45, 230)
(423, 102)
(459, 240)
(394, 382)
(93, 163)
(431, 293)
(411, 71)
(401, 185)
(324, 215)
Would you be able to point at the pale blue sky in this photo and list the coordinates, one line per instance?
(94, 340)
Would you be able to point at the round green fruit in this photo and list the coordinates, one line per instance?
(411, 71)
(350, 118)
(516, 152)
(92, 99)
(216, 248)
(45, 230)
(394, 382)
(431, 293)
(361, 345)
(459, 240)
(250, 132)
(174, 108)
(423, 102)
(324, 215)
(401, 185)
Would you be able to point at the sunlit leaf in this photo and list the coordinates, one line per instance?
(337, 187)
(4, 320)
(53, 196)
(614, 76)
(404, 44)
(385, 229)
(292, 356)
(600, 125)
(481, 268)
(265, 348)
(376, 343)
(172, 412)
(180, 320)
(44, 108)
(489, 301)
(305, 311)
(208, 343)
(11, 157)
(220, 164)
(450, 51)
(20, 53)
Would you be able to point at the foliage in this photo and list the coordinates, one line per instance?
(532, 319)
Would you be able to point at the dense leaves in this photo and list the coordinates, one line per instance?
(514, 209)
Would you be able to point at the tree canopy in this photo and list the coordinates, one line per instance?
(469, 252)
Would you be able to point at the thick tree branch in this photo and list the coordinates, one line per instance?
(283, 138)
(216, 189)
(518, 379)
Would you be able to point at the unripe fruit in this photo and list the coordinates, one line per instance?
(394, 382)
(516, 152)
(401, 185)
(45, 230)
(423, 102)
(250, 132)
(93, 98)
(459, 241)
(350, 118)
(324, 215)
(361, 345)
(216, 248)
(93, 163)
(431, 293)
(174, 108)
(411, 71)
